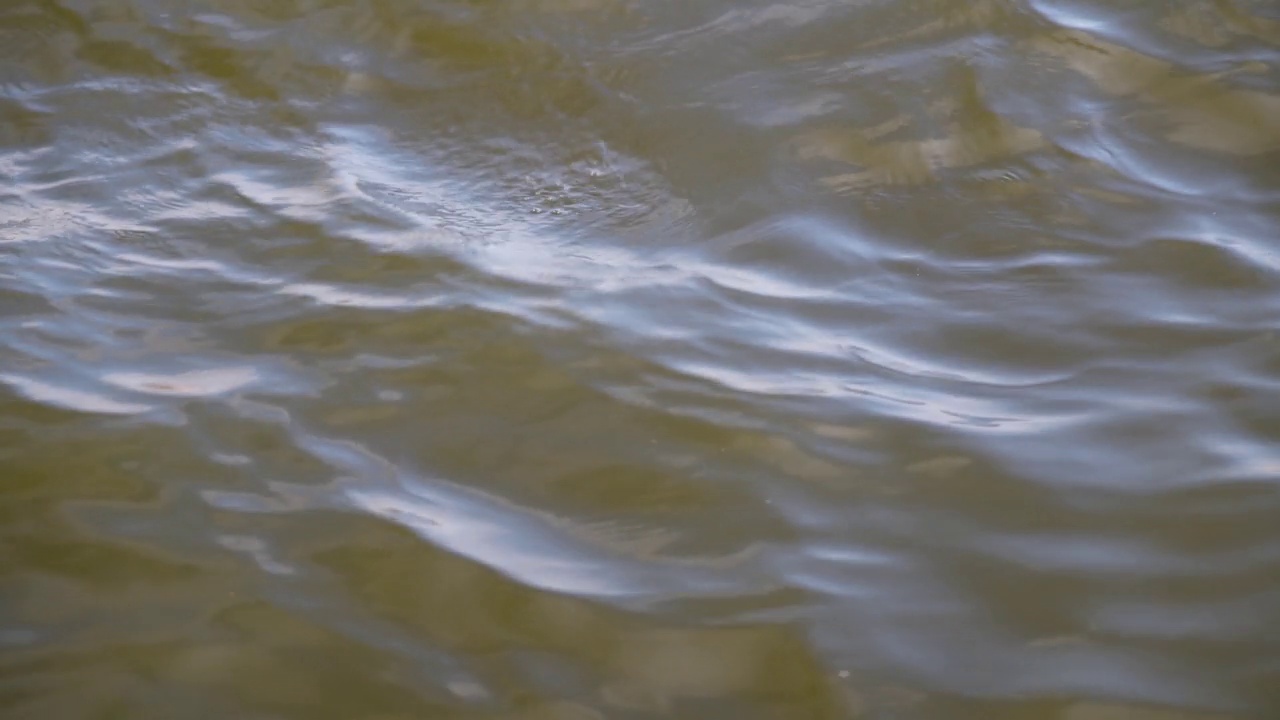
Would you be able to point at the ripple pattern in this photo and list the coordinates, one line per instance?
(600, 358)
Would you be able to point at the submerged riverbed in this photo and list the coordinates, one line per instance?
(579, 359)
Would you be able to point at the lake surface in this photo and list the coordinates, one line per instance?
(584, 359)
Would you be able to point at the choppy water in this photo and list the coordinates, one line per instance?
(579, 359)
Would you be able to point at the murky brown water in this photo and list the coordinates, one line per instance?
(580, 359)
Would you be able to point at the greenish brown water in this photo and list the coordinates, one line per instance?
(582, 359)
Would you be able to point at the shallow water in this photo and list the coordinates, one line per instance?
(577, 359)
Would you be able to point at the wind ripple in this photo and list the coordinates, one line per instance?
(909, 340)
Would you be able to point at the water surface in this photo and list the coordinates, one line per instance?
(580, 359)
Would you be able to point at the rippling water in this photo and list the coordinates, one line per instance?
(580, 359)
